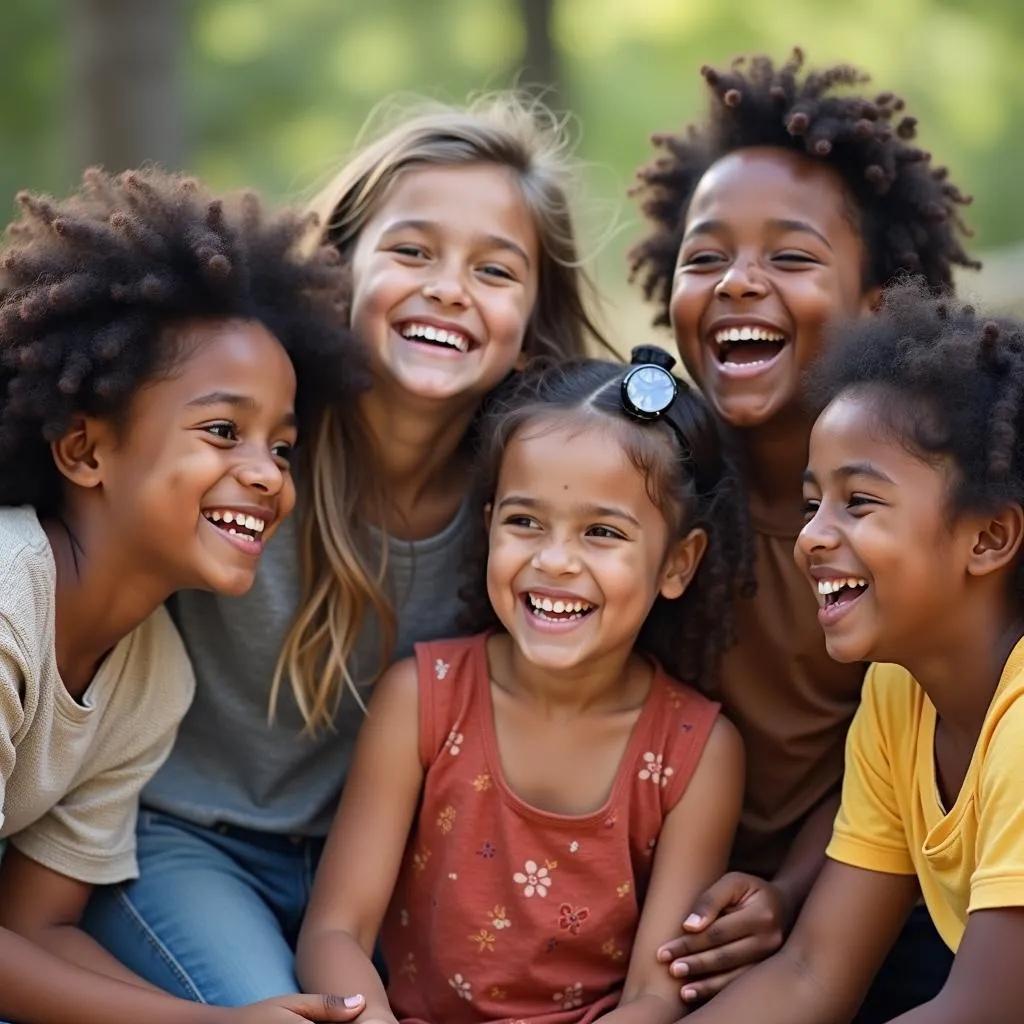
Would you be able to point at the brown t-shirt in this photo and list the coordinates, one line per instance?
(790, 701)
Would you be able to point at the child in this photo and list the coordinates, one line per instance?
(147, 340)
(792, 204)
(915, 523)
(542, 780)
(456, 228)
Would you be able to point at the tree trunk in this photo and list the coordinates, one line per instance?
(542, 66)
(127, 60)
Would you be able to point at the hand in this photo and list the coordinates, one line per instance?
(293, 1009)
(734, 925)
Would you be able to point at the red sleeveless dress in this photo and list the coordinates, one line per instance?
(503, 912)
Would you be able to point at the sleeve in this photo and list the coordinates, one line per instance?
(90, 834)
(998, 877)
(12, 716)
(868, 831)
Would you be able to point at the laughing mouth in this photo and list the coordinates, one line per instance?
(440, 336)
(236, 523)
(841, 591)
(558, 609)
(748, 346)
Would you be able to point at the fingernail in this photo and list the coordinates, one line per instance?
(351, 1002)
(680, 970)
(692, 921)
(689, 994)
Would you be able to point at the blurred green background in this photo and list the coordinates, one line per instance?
(271, 93)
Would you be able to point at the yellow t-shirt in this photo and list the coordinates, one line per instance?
(891, 820)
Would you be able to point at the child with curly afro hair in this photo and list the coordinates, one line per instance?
(792, 204)
(151, 338)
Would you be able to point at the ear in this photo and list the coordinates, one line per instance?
(997, 541)
(681, 563)
(871, 300)
(78, 453)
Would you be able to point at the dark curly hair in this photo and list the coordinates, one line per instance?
(944, 381)
(93, 287)
(907, 209)
(696, 487)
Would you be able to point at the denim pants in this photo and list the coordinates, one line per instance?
(215, 912)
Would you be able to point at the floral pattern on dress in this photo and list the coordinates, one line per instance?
(446, 819)
(454, 742)
(484, 941)
(499, 918)
(655, 769)
(463, 988)
(570, 997)
(571, 918)
(534, 879)
(441, 668)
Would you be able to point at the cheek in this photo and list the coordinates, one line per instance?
(685, 310)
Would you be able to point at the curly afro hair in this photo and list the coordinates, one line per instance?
(943, 381)
(694, 482)
(92, 288)
(908, 209)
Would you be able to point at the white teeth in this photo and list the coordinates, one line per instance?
(559, 606)
(250, 523)
(728, 334)
(454, 339)
(833, 586)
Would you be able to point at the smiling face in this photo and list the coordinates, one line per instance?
(578, 550)
(445, 279)
(769, 256)
(197, 478)
(886, 560)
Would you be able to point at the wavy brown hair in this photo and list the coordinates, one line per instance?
(342, 581)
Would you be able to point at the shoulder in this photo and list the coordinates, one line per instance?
(891, 700)
(156, 665)
(27, 572)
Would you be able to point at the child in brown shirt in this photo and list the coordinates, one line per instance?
(791, 205)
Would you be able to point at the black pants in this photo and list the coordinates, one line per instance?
(914, 972)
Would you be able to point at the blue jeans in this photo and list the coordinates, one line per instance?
(215, 912)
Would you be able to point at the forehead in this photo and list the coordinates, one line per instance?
(576, 460)
(853, 429)
(484, 197)
(767, 183)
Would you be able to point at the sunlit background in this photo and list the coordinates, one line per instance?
(271, 93)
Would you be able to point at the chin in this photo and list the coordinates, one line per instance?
(229, 583)
(748, 412)
(847, 651)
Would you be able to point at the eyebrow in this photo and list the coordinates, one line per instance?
(495, 241)
(708, 227)
(246, 402)
(598, 511)
(865, 469)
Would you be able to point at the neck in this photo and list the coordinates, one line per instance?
(774, 457)
(416, 452)
(961, 676)
(101, 596)
(577, 690)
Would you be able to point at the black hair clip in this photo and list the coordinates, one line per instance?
(649, 389)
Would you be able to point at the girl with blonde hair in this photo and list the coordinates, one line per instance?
(457, 229)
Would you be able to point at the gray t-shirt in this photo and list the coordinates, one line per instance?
(229, 766)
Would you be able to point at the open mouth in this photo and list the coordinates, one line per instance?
(236, 524)
(557, 609)
(748, 346)
(428, 334)
(838, 593)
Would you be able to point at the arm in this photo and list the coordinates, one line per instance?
(45, 908)
(37, 987)
(687, 858)
(848, 925)
(986, 982)
(805, 859)
(361, 860)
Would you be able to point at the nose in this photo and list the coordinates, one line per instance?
(260, 472)
(446, 286)
(819, 534)
(555, 557)
(741, 281)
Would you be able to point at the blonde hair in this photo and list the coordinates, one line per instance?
(339, 583)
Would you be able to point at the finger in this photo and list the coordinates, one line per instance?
(722, 959)
(728, 927)
(709, 904)
(325, 1007)
(701, 991)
